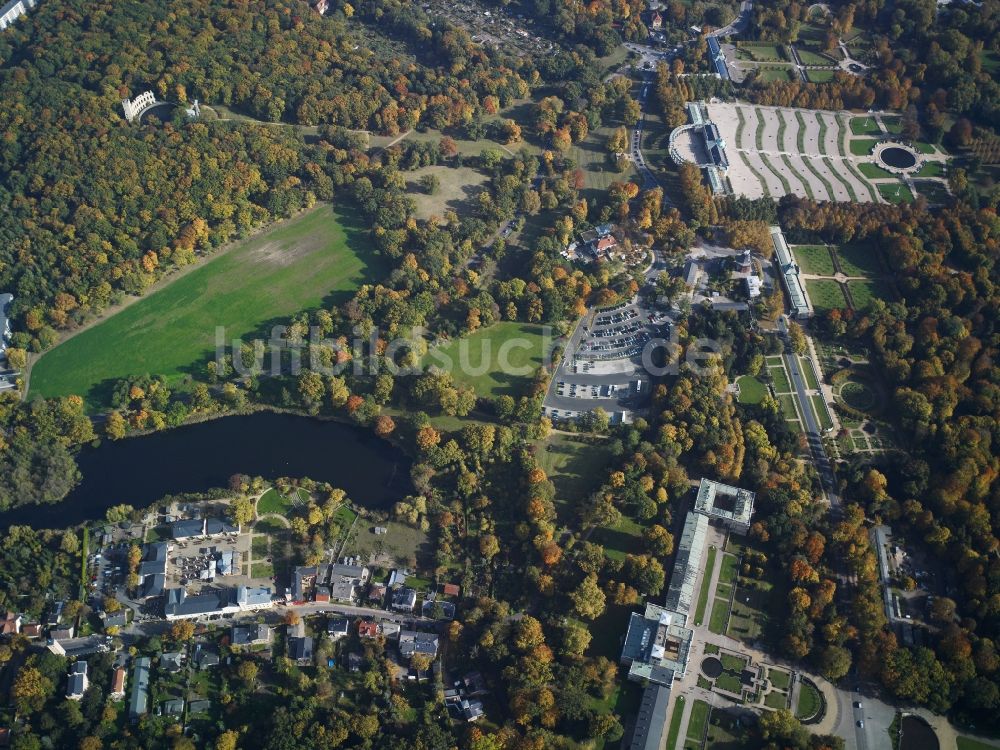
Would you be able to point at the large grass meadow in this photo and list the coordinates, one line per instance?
(495, 361)
(316, 258)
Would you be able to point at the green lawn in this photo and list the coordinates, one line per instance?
(752, 391)
(865, 126)
(728, 572)
(779, 379)
(932, 169)
(501, 359)
(720, 617)
(699, 718)
(808, 57)
(814, 259)
(591, 156)
(771, 74)
(874, 171)
(273, 501)
(729, 682)
(620, 540)
(863, 292)
(457, 189)
(809, 702)
(933, 191)
(787, 403)
(806, 364)
(862, 146)
(762, 52)
(675, 722)
(733, 663)
(822, 413)
(895, 192)
(779, 678)
(820, 75)
(825, 294)
(860, 259)
(317, 258)
(575, 464)
(776, 700)
(706, 581)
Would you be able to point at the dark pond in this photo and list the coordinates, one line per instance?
(897, 157)
(917, 735)
(194, 458)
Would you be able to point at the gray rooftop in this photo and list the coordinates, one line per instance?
(138, 703)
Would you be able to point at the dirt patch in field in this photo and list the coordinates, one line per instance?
(280, 254)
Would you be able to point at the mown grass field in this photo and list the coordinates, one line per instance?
(457, 191)
(859, 260)
(752, 391)
(814, 259)
(316, 258)
(895, 192)
(495, 361)
(576, 464)
(865, 126)
(825, 294)
(862, 146)
(820, 75)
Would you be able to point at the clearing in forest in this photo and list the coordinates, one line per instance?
(317, 258)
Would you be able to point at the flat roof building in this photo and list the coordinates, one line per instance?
(680, 592)
(790, 273)
(657, 646)
(731, 505)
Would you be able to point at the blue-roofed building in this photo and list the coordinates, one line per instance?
(718, 58)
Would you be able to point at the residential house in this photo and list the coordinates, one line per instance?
(300, 650)
(138, 704)
(304, 581)
(413, 642)
(199, 706)
(451, 589)
(404, 600)
(345, 580)
(172, 707)
(118, 683)
(172, 661)
(367, 629)
(322, 594)
(62, 634)
(205, 657)
(31, 630)
(377, 592)
(337, 628)
(78, 682)
(252, 635)
(434, 608)
(389, 629)
(656, 20)
(117, 619)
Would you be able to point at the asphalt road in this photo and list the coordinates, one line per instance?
(814, 433)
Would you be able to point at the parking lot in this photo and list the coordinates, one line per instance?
(603, 367)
